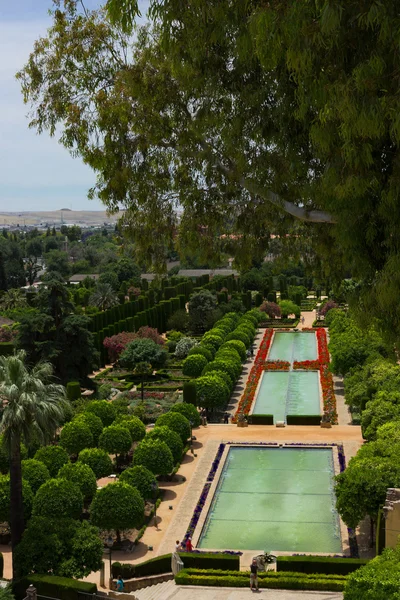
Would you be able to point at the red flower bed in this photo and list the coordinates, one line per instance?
(277, 365)
(307, 365)
(254, 376)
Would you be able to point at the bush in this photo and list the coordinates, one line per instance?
(184, 346)
(289, 308)
(52, 586)
(189, 411)
(35, 473)
(104, 391)
(98, 460)
(102, 409)
(202, 350)
(82, 476)
(143, 350)
(236, 345)
(117, 506)
(134, 425)
(319, 564)
(94, 423)
(140, 478)
(231, 355)
(261, 419)
(271, 309)
(151, 334)
(177, 422)
(303, 419)
(73, 390)
(171, 438)
(239, 335)
(222, 365)
(155, 456)
(378, 580)
(193, 365)
(58, 499)
(210, 349)
(189, 392)
(5, 501)
(329, 305)
(213, 339)
(115, 439)
(75, 436)
(54, 457)
(212, 391)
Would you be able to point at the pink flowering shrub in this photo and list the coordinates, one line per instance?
(327, 307)
(117, 343)
(151, 334)
(271, 309)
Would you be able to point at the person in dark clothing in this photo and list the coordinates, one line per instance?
(226, 418)
(253, 575)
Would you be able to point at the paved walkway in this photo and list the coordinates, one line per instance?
(186, 592)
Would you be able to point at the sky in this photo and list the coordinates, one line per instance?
(36, 172)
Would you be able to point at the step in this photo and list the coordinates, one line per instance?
(160, 591)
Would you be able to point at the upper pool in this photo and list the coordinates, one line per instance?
(293, 345)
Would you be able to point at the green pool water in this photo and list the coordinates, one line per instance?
(292, 346)
(275, 499)
(284, 393)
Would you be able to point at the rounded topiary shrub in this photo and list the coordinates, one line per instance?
(177, 423)
(236, 345)
(155, 456)
(117, 506)
(239, 335)
(225, 377)
(75, 436)
(230, 354)
(222, 365)
(35, 473)
(171, 438)
(58, 499)
(73, 390)
(189, 411)
(210, 348)
(212, 391)
(201, 349)
(212, 339)
(83, 476)
(94, 423)
(136, 427)
(193, 365)
(98, 460)
(104, 410)
(54, 457)
(252, 317)
(115, 439)
(142, 479)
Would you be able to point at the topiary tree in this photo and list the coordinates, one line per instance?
(135, 426)
(184, 346)
(177, 422)
(155, 456)
(213, 339)
(236, 345)
(212, 391)
(142, 350)
(193, 365)
(58, 499)
(73, 390)
(94, 423)
(203, 350)
(102, 409)
(189, 411)
(117, 506)
(5, 501)
(240, 335)
(81, 475)
(35, 473)
(54, 457)
(144, 370)
(171, 438)
(222, 365)
(98, 460)
(140, 478)
(75, 436)
(115, 439)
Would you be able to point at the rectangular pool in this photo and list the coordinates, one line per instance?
(290, 346)
(275, 499)
(284, 393)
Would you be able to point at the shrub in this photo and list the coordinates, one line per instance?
(177, 422)
(319, 564)
(155, 456)
(236, 345)
(184, 346)
(117, 506)
(27, 498)
(212, 339)
(225, 378)
(94, 423)
(271, 309)
(327, 307)
(289, 308)
(54, 457)
(212, 391)
(189, 411)
(203, 350)
(143, 350)
(193, 365)
(140, 478)
(81, 475)
(261, 419)
(116, 344)
(151, 334)
(171, 438)
(58, 499)
(35, 473)
(239, 335)
(222, 365)
(52, 586)
(104, 391)
(102, 409)
(98, 460)
(75, 436)
(189, 392)
(134, 425)
(73, 390)
(115, 439)
(210, 348)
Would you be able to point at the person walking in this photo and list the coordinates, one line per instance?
(120, 584)
(226, 418)
(189, 546)
(253, 575)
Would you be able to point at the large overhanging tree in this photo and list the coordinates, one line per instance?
(252, 117)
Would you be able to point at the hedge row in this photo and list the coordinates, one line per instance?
(303, 419)
(319, 564)
(52, 586)
(261, 419)
(162, 564)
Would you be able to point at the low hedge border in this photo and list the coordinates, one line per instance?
(303, 419)
(261, 419)
(319, 564)
(52, 586)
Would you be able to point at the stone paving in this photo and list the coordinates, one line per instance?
(213, 593)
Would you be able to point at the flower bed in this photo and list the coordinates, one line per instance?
(254, 376)
(307, 365)
(277, 365)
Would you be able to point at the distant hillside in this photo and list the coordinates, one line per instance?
(56, 217)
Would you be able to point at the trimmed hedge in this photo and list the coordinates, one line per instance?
(52, 586)
(319, 564)
(73, 390)
(261, 419)
(162, 564)
(303, 419)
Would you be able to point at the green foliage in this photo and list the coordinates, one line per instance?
(104, 410)
(378, 580)
(319, 564)
(236, 345)
(115, 439)
(239, 335)
(81, 475)
(190, 392)
(75, 436)
(224, 365)
(94, 423)
(177, 422)
(289, 308)
(384, 408)
(189, 411)
(184, 346)
(203, 350)
(54, 457)
(142, 350)
(73, 390)
(117, 506)
(214, 338)
(170, 437)
(201, 307)
(155, 456)
(212, 391)
(5, 505)
(193, 365)
(98, 460)
(58, 499)
(140, 478)
(35, 473)
(134, 425)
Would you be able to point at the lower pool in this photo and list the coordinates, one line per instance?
(275, 499)
(283, 393)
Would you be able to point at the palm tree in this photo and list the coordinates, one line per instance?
(103, 297)
(31, 404)
(14, 298)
